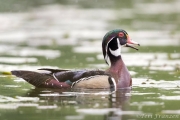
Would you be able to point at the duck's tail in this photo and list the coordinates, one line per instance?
(39, 79)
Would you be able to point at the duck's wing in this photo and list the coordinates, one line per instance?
(74, 76)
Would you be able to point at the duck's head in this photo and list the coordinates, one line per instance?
(112, 43)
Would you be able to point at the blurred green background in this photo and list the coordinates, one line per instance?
(68, 34)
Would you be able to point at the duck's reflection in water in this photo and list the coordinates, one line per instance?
(111, 105)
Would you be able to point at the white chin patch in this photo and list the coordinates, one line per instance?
(116, 52)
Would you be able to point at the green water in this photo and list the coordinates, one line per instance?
(67, 34)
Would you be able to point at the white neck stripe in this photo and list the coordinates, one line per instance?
(107, 57)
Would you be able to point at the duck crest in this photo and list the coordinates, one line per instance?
(109, 35)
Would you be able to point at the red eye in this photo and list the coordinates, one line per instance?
(121, 34)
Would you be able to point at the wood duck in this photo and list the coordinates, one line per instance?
(117, 76)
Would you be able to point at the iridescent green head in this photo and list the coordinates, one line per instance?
(112, 42)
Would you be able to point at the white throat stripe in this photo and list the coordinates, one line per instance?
(116, 52)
